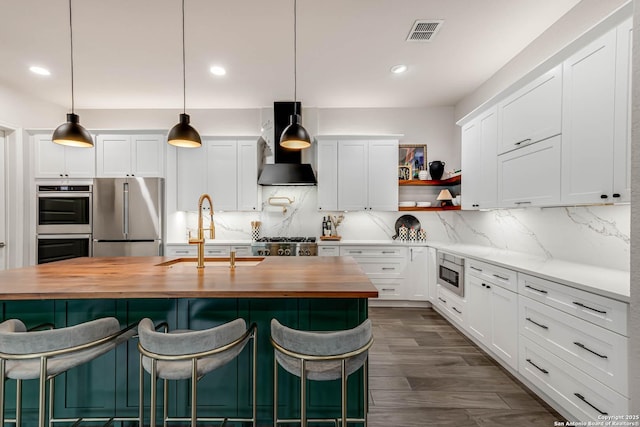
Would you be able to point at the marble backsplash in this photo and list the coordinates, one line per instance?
(595, 235)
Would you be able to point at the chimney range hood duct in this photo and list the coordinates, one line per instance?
(288, 168)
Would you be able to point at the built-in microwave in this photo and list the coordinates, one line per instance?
(451, 272)
(64, 209)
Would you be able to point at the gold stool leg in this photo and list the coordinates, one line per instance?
(51, 400)
(2, 386)
(254, 414)
(42, 392)
(366, 391)
(275, 390)
(154, 377)
(303, 397)
(165, 402)
(18, 403)
(141, 394)
(194, 390)
(343, 383)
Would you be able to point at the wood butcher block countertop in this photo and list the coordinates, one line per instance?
(143, 277)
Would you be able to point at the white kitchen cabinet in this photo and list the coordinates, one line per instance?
(622, 126)
(367, 175)
(130, 155)
(327, 171)
(58, 161)
(432, 274)
(222, 177)
(328, 250)
(191, 176)
(530, 176)
(588, 122)
(492, 313)
(385, 266)
(532, 113)
(452, 305)
(226, 169)
(479, 161)
(417, 274)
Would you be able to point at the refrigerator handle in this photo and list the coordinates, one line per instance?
(125, 206)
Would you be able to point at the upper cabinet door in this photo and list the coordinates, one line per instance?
(327, 175)
(352, 175)
(114, 156)
(383, 175)
(147, 155)
(191, 175)
(588, 122)
(222, 180)
(532, 113)
(622, 133)
(470, 157)
(57, 161)
(248, 189)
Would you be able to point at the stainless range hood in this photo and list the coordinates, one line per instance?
(288, 168)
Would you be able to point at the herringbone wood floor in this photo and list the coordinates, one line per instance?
(423, 372)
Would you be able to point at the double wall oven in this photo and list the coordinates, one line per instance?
(64, 221)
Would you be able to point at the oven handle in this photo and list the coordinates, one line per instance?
(125, 207)
(63, 195)
(63, 236)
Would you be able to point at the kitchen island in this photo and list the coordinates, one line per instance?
(313, 293)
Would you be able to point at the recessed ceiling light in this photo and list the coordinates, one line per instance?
(398, 69)
(39, 70)
(216, 70)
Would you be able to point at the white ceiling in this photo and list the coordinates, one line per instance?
(128, 52)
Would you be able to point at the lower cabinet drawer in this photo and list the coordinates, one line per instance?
(242, 250)
(596, 351)
(389, 288)
(216, 251)
(452, 304)
(325, 250)
(181, 250)
(579, 394)
(379, 268)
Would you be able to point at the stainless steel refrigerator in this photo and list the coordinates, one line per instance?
(128, 216)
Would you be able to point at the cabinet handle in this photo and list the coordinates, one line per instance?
(616, 195)
(2, 245)
(584, 347)
(500, 277)
(544, 371)
(523, 141)
(388, 289)
(475, 268)
(443, 300)
(542, 291)
(456, 310)
(182, 252)
(488, 287)
(604, 196)
(579, 304)
(522, 203)
(581, 397)
(355, 252)
(538, 324)
(390, 252)
(61, 175)
(388, 268)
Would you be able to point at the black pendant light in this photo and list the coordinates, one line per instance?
(183, 134)
(295, 136)
(72, 133)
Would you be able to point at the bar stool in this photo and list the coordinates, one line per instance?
(44, 354)
(321, 356)
(184, 354)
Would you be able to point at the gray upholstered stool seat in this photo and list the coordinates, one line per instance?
(320, 356)
(188, 354)
(26, 355)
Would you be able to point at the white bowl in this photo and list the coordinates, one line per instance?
(411, 204)
(424, 204)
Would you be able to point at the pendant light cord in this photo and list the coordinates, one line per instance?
(184, 72)
(71, 38)
(295, 57)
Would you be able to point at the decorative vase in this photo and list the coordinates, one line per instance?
(436, 169)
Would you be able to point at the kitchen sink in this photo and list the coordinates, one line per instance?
(213, 262)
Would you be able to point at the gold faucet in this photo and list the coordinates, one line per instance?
(212, 229)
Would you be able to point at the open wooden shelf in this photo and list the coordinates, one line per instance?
(456, 180)
(432, 208)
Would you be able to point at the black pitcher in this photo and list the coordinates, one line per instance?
(436, 169)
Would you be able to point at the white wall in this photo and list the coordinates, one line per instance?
(19, 110)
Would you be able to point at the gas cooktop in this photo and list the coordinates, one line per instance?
(285, 246)
(286, 239)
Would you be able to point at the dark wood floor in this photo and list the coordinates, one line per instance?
(423, 372)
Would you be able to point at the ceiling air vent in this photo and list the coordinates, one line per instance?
(424, 30)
